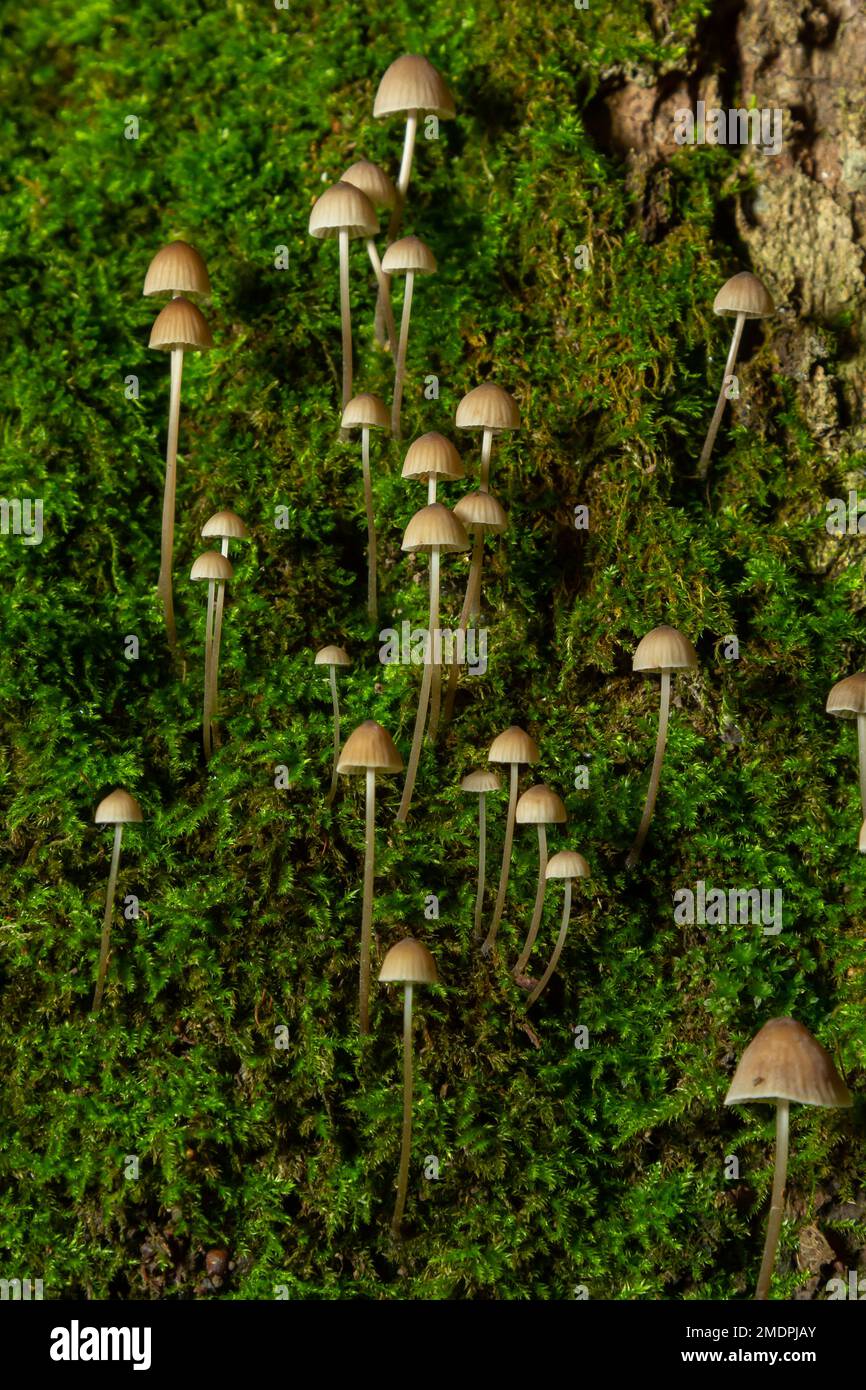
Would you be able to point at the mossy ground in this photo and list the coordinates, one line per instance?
(558, 1167)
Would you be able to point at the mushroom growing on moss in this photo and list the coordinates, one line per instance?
(344, 212)
(541, 807)
(332, 657)
(216, 569)
(482, 516)
(409, 257)
(742, 297)
(429, 458)
(481, 782)
(225, 527)
(513, 747)
(490, 409)
(379, 188)
(664, 650)
(366, 413)
(119, 808)
(847, 700)
(567, 865)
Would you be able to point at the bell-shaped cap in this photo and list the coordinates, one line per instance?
(177, 269)
(373, 182)
(369, 748)
(481, 781)
(488, 407)
(412, 83)
(432, 456)
(211, 565)
(332, 656)
(784, 1062)
(409, 253)
(744, 294)
(848, 697)
(118, 808)
(513, 746)
(366, 412)
(567, 863)
(343, 208)
(435, 528)
(408, 963)
(664, 649)
(227, 526)
(540, 806)
(479, 511)
(180, 325)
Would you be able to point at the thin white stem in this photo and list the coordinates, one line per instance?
(486, 452)
(431, 489)
(557, 950)
(397, 210)
(214, 670)
(164, 583)
(472, 596)
(345, 316)
(506, 863)
(336, 703)
(424, 695)
(106, 921)
(539, 903)
(384, 292)
(861, 747)
(367, 909)
(208, 671)
(777, 1201)
(482, 862)
(406, 1143)
(372, 601)
(704, 461)
(655, 775)
(218, 628)
(400, 366)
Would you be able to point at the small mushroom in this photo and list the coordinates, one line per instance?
(664, 650)
(490, 409)
(216, 569)
(847, 700)
(481, 782)
(225, 526)
(119, 808)
(332, 657)
(367, 413)
(177, 269)
(344, 212)
(482, 515)
(784, 1063)
(541, 807)
(410, 257)
(567, 865)
(429, 458)
(744, 297)
(379, 188)
(512, 747)
(407, 964)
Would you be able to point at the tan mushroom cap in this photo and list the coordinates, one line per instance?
(212, 565)
(366, 412)
(435, 528)
(177, 269)
(412, 83)
(409, 963)
(409, 253)
(861, 840)
(432, 456)
(744, 294)
(227, 526)
(343, 208)
(513, 746)
(118, 808)
(369, 748)
(483, 780)
(332, 656)
(488, 407)
(664, 649)
(180, 325)
(784, 1062)
(567, 863)
(479, 511)
(540, 806)
(848, 697)
(372, 181)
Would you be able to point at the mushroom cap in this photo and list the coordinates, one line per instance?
(482, 780)
(744, 294)
(487, 407)
(567, 863)
(513, 746)
(412, 83)
(369, 748)
(180, 325)
(479, 511)
(118, 808)
(409, 963)
(432, 456)
(372, 181)
(332, 656)
(861, 840)
(540, 806)
(177, 269)
(435, 528)
(343, 208)
(365, 412)
(664, 649)
(211, 565)
(848, 697)
(409, 253)
(227, 526)
(784, 1062)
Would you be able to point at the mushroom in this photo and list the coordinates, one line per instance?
(481, 782)
(490, 409)
(368, 750)
(332, 657)
(784, 1063)
(430, 457)
(409, 256)
(407, 964)
(540, 806)
(379, 188)
(436, 530)
(512, 747)
(847, 699)
(216, 569)
(119, 808)
(225, 526)
(367, 413)
(861, 840)
(343, 211)
(663, 650)
(567, 865)
(482, 515)
(746, 298)
(180, 327)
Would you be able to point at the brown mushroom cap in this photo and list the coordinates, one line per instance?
(227, 526)
(479, 511)
(409, 253)
(784, 1062)
(567, 863)
(369, 748)
(118, 808)
(180, 325)
(332, 656)
(435, 528)
(366, 412)
(177, 269)
(409, 963)
(343, 208)
(848, 697)
(432, 456)
(664, 649)
(540, 806)
(412, 83)
(488, 407)
(513, 746)
(373, 182)
(211, 565)
(483, 780)
(744, 294)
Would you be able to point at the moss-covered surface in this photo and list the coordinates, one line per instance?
(559, 1167)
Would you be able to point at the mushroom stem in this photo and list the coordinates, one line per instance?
(486, 452)
(471, 606)
(406, 1145)
(424, 695)
(861, 746)
(400, 368)
(431, 489)
(404, 175)
(506, 863)
(482, 862)
(777, 1201)
(218, 627)
(704, 461)
(333, 792)
(557, 950)
(539, 903)
(655, 775)
(345, 316)
(367, 911)
(106, 921)
(207, 709)
(164, 583)
(215, 664)
(384, 292)
(372, 601)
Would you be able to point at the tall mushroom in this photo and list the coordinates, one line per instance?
(512, 747)
(567, 865)
(379, 188)
(847, 700)
(224, 526)
(784, 1063)
(481, 782)
(368, 750)
(482, 515)
(743, 297)
(343, 211)
(436, 530)
(410, 257)
(216, 569)
(490, 409)
(407, 964)
(332, 657)
(119, 808)
(366, 413)
(429, 458)
(180, 327)
(541, 807)
(664, 650)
